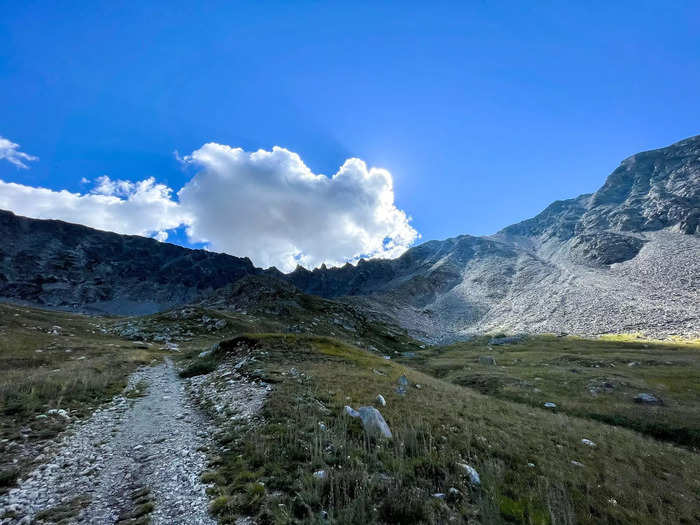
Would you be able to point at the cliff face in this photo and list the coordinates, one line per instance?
(57, 264)
(623, 259)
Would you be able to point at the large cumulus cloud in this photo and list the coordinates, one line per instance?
(271, 207)
(267, 205)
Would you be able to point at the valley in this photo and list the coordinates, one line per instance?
(275, 445)
(546, 374)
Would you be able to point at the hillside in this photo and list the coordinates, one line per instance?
(57, 264)
(624, 259)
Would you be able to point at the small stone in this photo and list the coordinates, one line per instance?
(403, 384)
(58, 412)
(320, 474)
(576, 463)
(380, 400)
(588, 442)
(647, 399)
(487, 360)
(372, 421)
(471, 473)
(549, 404)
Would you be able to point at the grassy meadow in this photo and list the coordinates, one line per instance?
(533, 464)
(590, 378)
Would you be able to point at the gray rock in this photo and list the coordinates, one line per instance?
(487, 360)
(351, 411)
(647, 399)
(496, 341)
(470, 472)
(59, 412)
(403, 385)
(380, 400)
(372, 421)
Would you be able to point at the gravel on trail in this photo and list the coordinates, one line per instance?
(133, 457)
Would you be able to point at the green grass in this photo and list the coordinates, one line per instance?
(590, 378)
(267, 470)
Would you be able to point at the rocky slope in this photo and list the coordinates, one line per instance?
(57, 264)
(624, 259)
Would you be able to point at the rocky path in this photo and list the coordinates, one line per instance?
(133, 458)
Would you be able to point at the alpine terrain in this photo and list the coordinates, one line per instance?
(546, 374)
(623, 259)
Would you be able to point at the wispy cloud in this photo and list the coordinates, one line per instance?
(11, 153)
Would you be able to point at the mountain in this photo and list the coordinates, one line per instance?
(57, 264)
(624, 259)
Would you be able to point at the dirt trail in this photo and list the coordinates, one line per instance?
(131, 457)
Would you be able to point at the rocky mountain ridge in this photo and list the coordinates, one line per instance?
(623, 259)
(57, 264)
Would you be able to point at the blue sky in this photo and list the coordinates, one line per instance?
(483, 112)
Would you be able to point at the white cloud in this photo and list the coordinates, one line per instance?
(145, 209)
(266, 205)
(10, 152)
(269, 206)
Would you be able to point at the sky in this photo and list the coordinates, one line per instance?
(310, 132)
